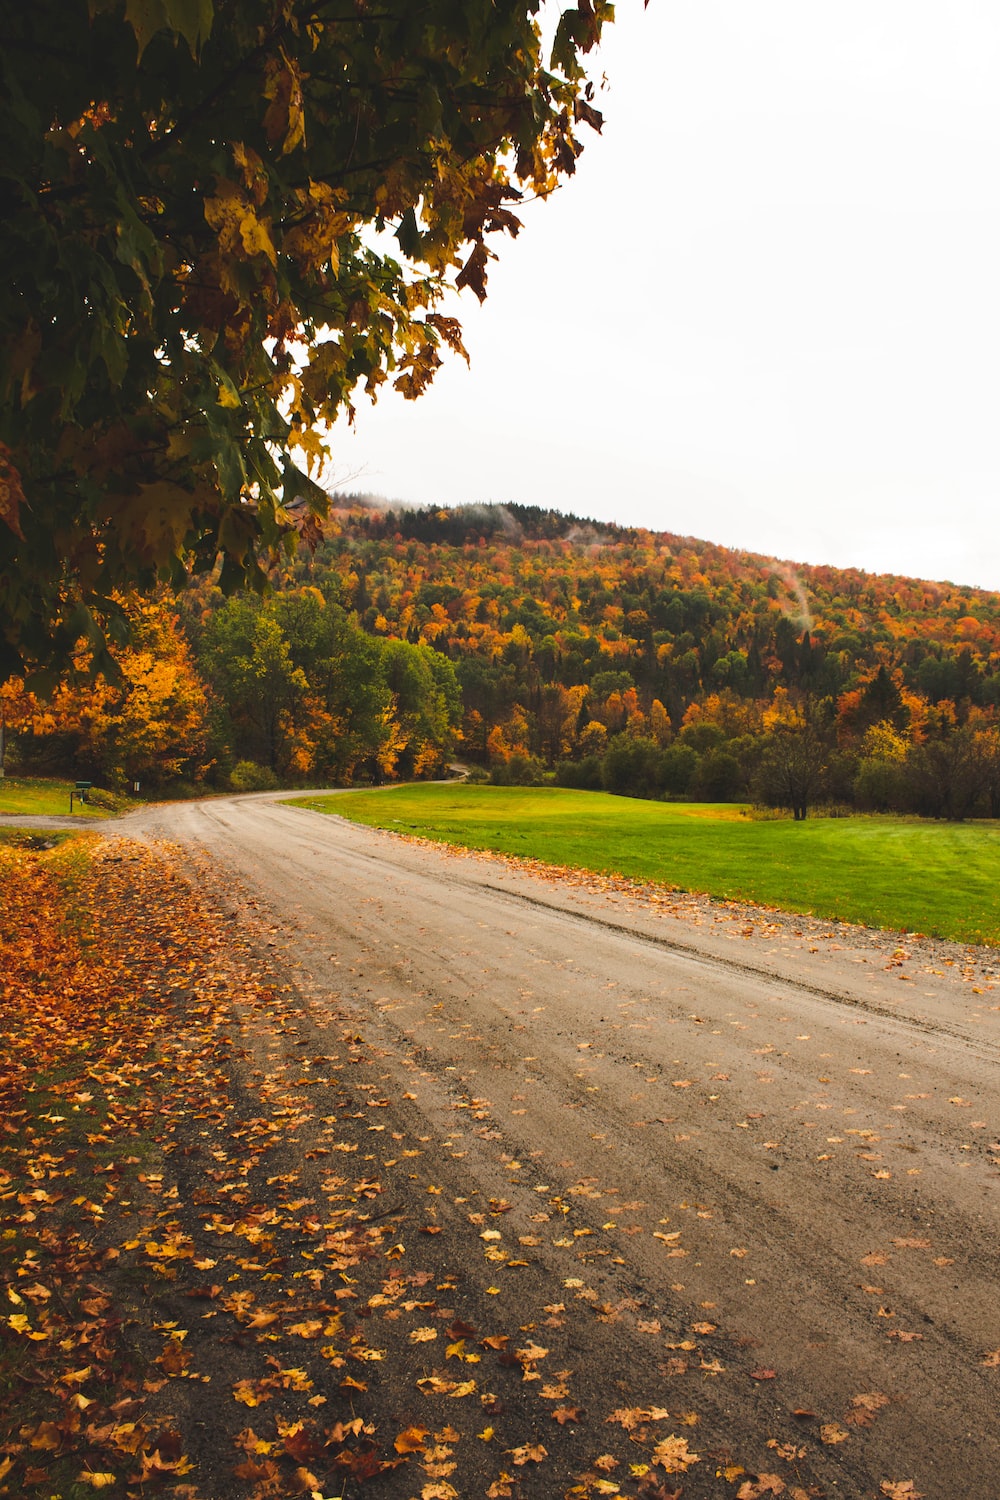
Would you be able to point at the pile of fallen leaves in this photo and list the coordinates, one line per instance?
(91, 961)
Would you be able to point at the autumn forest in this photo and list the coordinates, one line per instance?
(534, 646)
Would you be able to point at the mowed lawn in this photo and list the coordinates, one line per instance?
(45, 799)
(941, 879)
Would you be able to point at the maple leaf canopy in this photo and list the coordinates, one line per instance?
(196, 199)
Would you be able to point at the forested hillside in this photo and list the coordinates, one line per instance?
(531, 641)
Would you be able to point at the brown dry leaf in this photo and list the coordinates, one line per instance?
(46, 1436)
(763, 1373)
(528, 1453)
(250, 1443)
(674, 1455)
(174, 1357)
(764, 1484)
(309, 1329)
(788, 1451)
(865, 1407)
(631, 1417)
(262, 1320)
(341, 1431)
(564, 1414)
(264, 1473)
(900, 1489)
(411, 1440)
(423, 1335)
(991, 1359)
(831, 1433)
(531, 1353)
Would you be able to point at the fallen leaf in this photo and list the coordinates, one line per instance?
(764, 1484)
(865, 1407)
(411, 1440)
(831, 1433)
(674, 1455)
(528, 1453)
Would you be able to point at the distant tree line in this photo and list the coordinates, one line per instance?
(539, 646)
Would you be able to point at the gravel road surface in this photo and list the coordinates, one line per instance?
(765, 1148)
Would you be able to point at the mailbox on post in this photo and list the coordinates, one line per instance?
(82, 788)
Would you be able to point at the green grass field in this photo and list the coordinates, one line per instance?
(937, 878)
(45, 799)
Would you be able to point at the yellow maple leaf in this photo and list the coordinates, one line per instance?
(256, 236)
(229, 396)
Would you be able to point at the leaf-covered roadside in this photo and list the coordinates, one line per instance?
(81, 1022)
(235, 1268)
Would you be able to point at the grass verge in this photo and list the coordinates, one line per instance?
(44, 798)
(906, 873)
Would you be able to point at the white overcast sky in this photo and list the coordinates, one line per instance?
(766, 311)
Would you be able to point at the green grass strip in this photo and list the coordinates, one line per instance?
(43, 798)
(940, 879)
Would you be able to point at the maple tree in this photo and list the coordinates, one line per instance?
(150, 723)
(198, 201)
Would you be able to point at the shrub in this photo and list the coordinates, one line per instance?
(629, 766)
(582, 775)
(519, 770)
(676, 768)
(248, 776)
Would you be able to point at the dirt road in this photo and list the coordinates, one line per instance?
(760, 1157)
